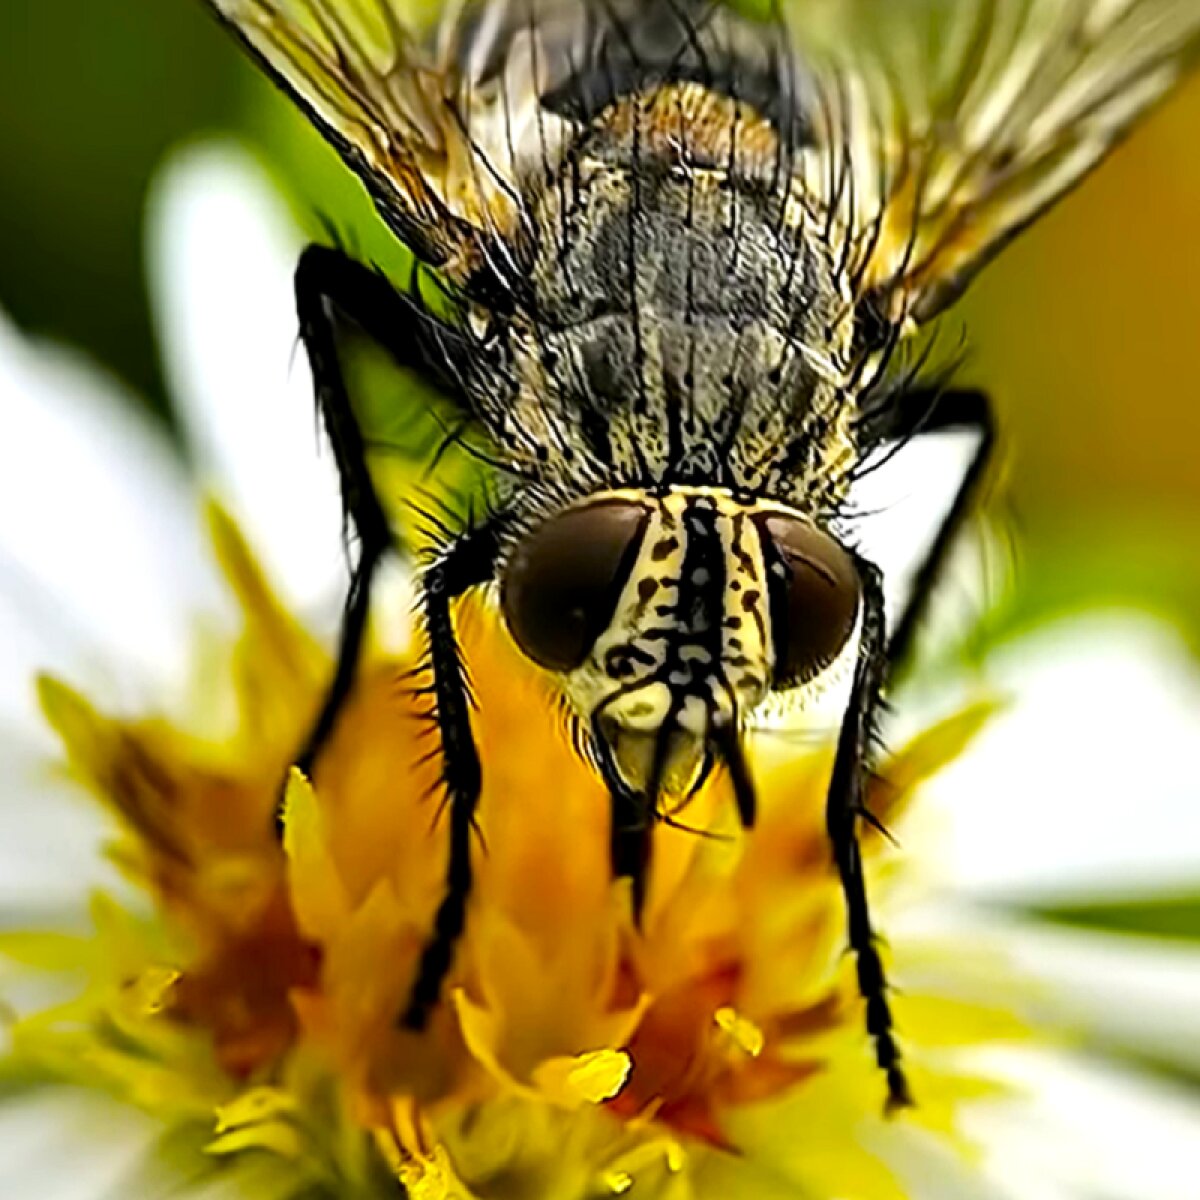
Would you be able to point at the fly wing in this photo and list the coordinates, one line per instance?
(941, 129)
(945, 129)
(440, 151)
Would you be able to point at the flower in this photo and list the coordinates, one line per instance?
(243, 992)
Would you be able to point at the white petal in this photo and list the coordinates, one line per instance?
(222, 249)
(1137, 995)
(69, 1144)
(101, 562)
(1079, 788)
(51, 848)
(930, 1169)
(1096, 1131)
(896, 510)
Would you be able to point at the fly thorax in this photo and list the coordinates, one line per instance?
(685, 322)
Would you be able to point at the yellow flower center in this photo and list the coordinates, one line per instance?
(573, 1053)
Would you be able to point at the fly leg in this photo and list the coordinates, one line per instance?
(879, 655)
(844, 809)
(331, 288)
(918, 414)
(468, 561)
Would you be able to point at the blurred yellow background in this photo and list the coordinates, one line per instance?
(1087, 329)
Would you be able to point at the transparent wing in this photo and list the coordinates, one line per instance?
(392, 90)
(947, 127)
(942, 128)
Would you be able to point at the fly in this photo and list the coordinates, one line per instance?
(682, 244)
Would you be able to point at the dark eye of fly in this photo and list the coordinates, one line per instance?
(564, 579)
(814, 595)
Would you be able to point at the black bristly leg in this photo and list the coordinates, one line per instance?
(468, 561)
(332, 288)
(916, 414)
(844, 808)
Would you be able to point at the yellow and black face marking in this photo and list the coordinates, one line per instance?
(672, 618)
(681, 245)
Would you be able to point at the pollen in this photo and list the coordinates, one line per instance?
(618, 1182)
(592, 1078)
(744, 1034)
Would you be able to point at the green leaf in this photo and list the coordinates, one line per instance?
(1176, 916)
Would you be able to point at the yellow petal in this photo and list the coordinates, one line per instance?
(84, 733)
(46, 951)
(276, 1137)
(318, 896)
(254, 1106)
(926, 754)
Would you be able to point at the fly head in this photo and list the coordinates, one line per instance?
(671, 618)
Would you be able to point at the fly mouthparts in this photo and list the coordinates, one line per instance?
(727, 742)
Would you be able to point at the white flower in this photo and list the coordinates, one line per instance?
(1080, 789)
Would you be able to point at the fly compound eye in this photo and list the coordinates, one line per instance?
(564, 579)
(814, 594)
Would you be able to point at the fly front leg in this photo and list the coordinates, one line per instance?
(920, 414)
(332, 289)
(465, 563)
